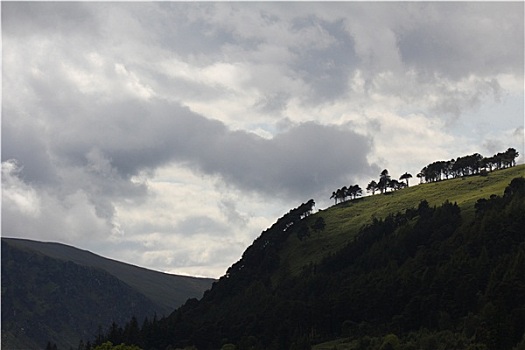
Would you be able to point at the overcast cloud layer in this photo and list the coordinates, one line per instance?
(169, 135)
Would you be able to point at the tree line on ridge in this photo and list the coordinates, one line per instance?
(461, 166)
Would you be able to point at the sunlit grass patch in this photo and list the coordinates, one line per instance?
(344, 220)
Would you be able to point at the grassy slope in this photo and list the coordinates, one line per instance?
(344, 220)
(169, 291)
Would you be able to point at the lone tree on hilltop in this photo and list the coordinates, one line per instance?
(340, 195)
(421, 176)
(334, 196)
(384, 179)
(396, 185)
(372, 187)
(405, 177)
(354, 191)
(510, 155)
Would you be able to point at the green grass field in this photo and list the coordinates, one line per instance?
(344, 220)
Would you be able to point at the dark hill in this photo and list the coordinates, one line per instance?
(440, 265)
(54, 292)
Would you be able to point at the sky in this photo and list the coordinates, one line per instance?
(169, 135)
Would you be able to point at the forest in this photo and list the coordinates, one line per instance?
(426, 277)
(416, 279)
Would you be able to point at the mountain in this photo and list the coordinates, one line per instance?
(58, 293)
(438, 265)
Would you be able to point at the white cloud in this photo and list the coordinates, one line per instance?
(30, 212)
(15, 193)
(196, 217)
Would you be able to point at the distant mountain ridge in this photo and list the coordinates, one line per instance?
(40, 278)
(168, 290)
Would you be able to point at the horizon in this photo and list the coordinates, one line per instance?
(365, 194)
(170, 135)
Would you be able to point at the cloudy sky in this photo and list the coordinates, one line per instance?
(170, 135)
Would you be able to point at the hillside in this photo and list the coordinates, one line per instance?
(344, 220)
(167, 290)
(437, 265)
(54, 292)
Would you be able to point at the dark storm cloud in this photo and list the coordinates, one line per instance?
(303, 161)
(118, 140)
